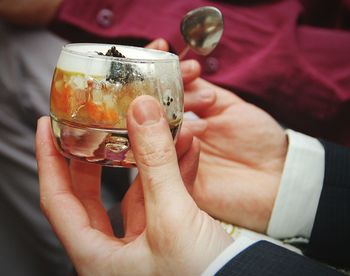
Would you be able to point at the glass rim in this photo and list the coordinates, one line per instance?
(170, 56)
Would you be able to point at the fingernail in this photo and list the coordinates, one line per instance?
(158, 43)
(161, 43)
(146, 111)
(206, 94)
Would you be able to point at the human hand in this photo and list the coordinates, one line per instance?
(190, 68)
(177, 238)
(242, 156)
(29, 12)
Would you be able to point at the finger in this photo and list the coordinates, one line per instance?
(200, 100)
(155, 156)
(184, 142)
(187, 149)
(190, 70)
(189, 165)
(133, 210)
(159, 44)
(86, 186)
(64, 211)
(56, 195)
(197, 126)
(206, 99)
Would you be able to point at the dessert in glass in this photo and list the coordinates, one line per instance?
(92, 87)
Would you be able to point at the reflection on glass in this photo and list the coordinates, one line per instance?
(91, 92)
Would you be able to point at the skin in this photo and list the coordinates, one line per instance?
(70, 199)
(239, 172)
(243, 151)
(242, 156)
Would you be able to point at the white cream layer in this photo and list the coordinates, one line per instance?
(83, 58)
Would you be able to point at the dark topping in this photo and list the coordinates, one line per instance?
(113, 52)
(168, 101)
(121, 72)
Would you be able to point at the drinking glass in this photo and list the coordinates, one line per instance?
(91, 92)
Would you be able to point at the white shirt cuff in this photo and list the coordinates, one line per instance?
(300, 188)
(243, 238)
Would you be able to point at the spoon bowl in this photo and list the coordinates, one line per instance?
(202, 29)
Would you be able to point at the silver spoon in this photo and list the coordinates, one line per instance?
(202, 29)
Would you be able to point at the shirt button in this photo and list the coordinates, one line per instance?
(105, 18)
(211, 65)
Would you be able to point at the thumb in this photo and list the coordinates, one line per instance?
(155, 155)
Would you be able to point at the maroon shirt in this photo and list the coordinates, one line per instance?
(268, 55)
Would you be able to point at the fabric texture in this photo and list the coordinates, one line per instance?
(264, 258)
(330, 239)
(300, 188)
(269, 53)
(28, 244)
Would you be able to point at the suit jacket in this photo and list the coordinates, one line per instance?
(330, 237)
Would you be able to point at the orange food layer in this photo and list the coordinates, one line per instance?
(79, 106)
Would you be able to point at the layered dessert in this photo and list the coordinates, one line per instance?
(92, 87)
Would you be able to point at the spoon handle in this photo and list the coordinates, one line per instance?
(184, 52)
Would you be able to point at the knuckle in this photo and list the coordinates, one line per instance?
(156, 156)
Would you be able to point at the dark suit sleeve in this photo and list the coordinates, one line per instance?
(264, 258)
(330, 236)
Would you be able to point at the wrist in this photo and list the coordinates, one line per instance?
(273, 168)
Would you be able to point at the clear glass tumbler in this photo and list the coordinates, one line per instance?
(91, 92)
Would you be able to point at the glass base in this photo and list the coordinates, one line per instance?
(107, 147)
